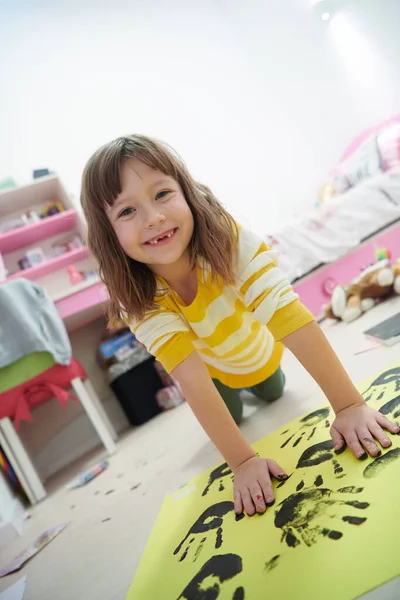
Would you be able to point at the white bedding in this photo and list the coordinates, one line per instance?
(338, 226)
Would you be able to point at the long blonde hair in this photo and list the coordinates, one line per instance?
(131, 284)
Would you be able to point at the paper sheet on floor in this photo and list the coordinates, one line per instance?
(333, 532)
(16, 591)
(38, 545)
(368, 345)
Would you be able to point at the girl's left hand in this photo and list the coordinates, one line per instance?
(358, 426)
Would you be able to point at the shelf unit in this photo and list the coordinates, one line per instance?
(51, 265)
(78, 304)
(31, 234)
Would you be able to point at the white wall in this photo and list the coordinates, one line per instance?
(260, 97)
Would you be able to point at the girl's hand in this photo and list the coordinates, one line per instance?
(252, 486)
(357, 426)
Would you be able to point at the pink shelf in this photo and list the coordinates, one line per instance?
(82, 300)
(54, 264)
(35, 232)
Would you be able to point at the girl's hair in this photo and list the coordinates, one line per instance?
(132, 285)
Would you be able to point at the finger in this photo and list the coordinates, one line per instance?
(387, 424)
(337, 439)
(368, 442)
(258, 498)
(248, 502)
(353, 443)
(275, 470)
(267, 490)
(379, 434)
(238, 503)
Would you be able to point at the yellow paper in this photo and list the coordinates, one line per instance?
(332, 534)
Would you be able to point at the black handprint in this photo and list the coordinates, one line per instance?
(381, 462)
(308, 426)
(212, 518)
(380, 385)
(223, 567)
(218, 473)
(298, 513)
(319, 453)
(391, 408)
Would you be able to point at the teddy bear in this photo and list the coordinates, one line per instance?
(396, 272)
(377, 281)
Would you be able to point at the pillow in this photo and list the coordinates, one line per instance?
(362, 137)
(389, 146)
(364, 162)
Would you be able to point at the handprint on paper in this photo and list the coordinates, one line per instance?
(375, 468)
(222, 567)
(308, 427)
(217, 474)
(315, 455)
(392, 408)
(211, 520)
(319, 453)
(301, 515)
(385, 382)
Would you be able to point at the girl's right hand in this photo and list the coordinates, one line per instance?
(252, 486)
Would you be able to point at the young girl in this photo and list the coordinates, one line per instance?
(207, 299)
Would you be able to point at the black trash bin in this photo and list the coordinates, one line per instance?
(136, 391)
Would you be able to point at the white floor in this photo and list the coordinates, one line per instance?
(95, 558)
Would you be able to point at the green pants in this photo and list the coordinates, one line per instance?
(269, 390)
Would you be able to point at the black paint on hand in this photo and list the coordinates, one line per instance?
(379, 464)
(211, 519)
(222, 567)
(218, 473)
(297, 514)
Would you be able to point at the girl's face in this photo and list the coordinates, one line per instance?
(151, 217)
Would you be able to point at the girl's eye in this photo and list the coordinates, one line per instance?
(162, 194)
(126, 212)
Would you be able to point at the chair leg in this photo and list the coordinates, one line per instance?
(95, 399)
(21, 462)
(93, 415)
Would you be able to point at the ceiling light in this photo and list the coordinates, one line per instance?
(326, 16)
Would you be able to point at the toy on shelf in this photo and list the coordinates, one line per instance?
(64, 246)
(383, 254)
(373, 284)
(32, 258)
(396, 273)
(7, 184)
(74, 275)
(53, 208)
(32, 215)
(37, 173)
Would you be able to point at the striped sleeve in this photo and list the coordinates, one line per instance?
(166, 336)
(265, 289)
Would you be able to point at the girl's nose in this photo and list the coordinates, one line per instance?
(153, 217)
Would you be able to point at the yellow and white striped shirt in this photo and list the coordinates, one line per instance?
(235, 328)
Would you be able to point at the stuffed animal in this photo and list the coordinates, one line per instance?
(396, 272)
(377, 281)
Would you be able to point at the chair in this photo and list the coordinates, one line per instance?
(31, 381)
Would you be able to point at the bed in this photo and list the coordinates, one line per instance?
(338, 226)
